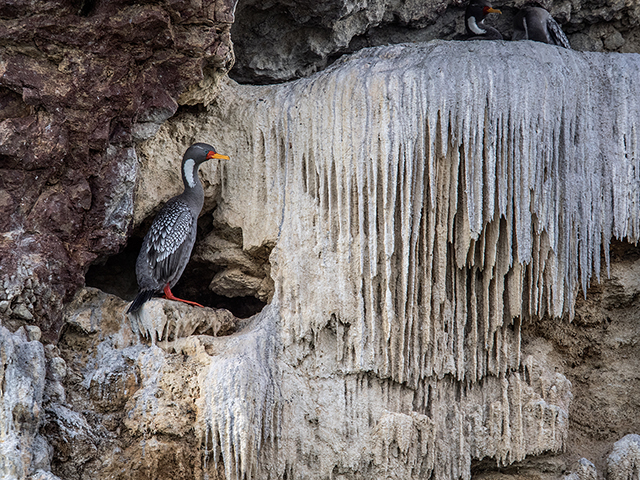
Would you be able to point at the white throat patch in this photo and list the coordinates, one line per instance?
(473, 26)
(188, 172)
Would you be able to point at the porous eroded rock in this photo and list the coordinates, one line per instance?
(138, 409)
(624, 461)
(600, 351)
(80, 83)
(22, 376)
(239, 272)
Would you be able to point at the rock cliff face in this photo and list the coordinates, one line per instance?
(80, 82)
(463, 205)
(417, 226)
(282, 39)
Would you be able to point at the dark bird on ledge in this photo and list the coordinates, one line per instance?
(167, 246)
(535, 23)
(474, 21)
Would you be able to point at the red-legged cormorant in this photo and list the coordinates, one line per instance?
(167, 246)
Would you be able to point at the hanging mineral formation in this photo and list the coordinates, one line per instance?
(440, 190)
(425, 200)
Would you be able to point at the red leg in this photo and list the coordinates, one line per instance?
(169, 296)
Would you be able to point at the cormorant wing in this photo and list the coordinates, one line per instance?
(556, 33)
(167, 239)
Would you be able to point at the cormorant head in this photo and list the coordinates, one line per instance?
(194, 156)
(474, 16)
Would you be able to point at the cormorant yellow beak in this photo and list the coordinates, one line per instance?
(219, 156)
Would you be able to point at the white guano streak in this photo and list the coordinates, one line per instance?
(473, 26)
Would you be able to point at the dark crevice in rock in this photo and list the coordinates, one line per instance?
(85, 7)
(621, 250)
(552, 465)
(190, 287)
(197, 109)
(116, 274)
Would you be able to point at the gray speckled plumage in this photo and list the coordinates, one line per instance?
(536, 23)
(167, 246)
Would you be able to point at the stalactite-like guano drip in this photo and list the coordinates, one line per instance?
(464, 189)
(240, 398)
(427, 199)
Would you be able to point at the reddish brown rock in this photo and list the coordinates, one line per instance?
(77, 79)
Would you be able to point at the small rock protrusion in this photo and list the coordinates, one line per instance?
(244, 273)
(33, 333)
(21, 311)
(614, 41)
(624, 461)
(582, 470)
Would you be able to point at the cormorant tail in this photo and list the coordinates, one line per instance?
(142, 297)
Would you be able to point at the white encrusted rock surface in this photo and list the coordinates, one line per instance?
(425, 200)
(22, 377)
(624, 461)
(583, 470)
(199, 407)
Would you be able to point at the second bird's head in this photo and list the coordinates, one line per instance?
(480, 9)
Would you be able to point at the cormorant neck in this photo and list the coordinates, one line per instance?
(193, 190)
(476, 27)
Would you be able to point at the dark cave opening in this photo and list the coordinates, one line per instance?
(116, 275)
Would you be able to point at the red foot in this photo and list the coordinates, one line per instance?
(169, 296)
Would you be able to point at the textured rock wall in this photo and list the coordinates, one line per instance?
(161, 410)
(281, 40)
(415, 278)
(80, 83)
(22, 375)
(453, 225)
